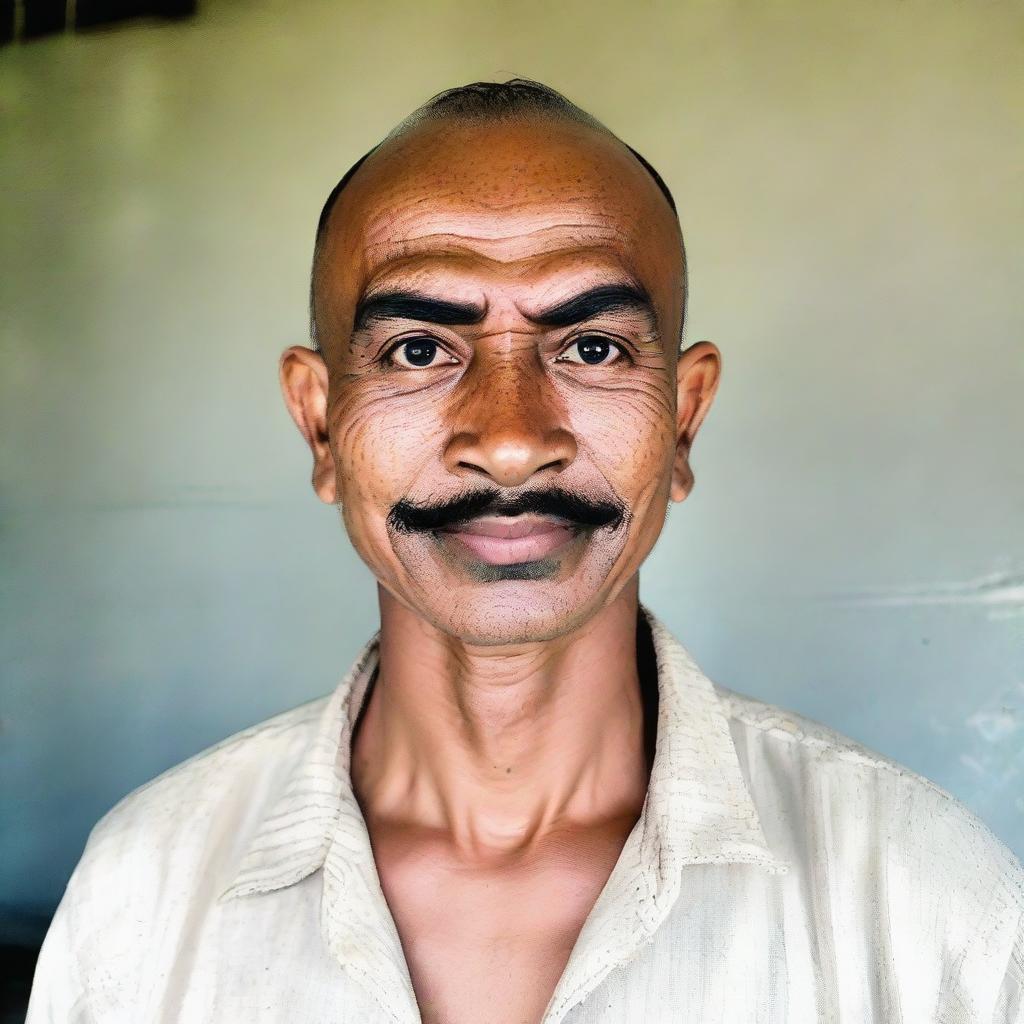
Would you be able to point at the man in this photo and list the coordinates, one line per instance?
(524, 802)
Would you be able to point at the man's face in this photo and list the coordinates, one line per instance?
(499, 311)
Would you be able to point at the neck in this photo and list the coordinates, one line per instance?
(498, 749)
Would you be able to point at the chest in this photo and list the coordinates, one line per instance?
(490, 943)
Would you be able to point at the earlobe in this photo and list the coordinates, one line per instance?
(304, 384)
(325, 483)
(682, 477)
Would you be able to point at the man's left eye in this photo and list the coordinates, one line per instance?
(593, 350)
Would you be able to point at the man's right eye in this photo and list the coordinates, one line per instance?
(414, 353)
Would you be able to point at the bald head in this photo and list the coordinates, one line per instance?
(481, 104)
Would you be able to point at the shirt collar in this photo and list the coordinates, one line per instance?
(698, 810)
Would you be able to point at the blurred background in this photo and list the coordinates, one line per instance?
(849, 178)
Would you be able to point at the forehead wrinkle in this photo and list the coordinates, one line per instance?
(468, 201)
(392, 216)
(413, 270)
(464, 198)
(496, 246)
(381, 238)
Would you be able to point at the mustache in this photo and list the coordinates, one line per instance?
(408, 517)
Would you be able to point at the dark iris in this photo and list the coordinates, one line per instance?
(420, 351)
(593, 349)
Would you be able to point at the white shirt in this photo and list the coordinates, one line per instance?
(778, 872)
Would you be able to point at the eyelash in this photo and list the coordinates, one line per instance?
(385, 359)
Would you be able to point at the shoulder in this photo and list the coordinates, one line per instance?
(193, 821)
(897, 860)
(824, 796)
(154, 864)
(858, 785)
(247, 765)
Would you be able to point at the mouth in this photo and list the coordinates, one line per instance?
(505, 540)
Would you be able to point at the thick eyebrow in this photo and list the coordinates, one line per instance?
(408, 305)
(405, 305)
(607, 298)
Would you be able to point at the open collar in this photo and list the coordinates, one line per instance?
(698, 810)
(292, 841)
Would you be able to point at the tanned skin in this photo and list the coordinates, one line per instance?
(500, 761)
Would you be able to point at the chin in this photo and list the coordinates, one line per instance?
(516, 621)
(515, 611)
(490, 605)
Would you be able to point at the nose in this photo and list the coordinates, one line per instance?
(509, 422)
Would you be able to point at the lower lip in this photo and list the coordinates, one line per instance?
(510, 550)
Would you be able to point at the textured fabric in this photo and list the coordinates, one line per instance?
(779, 872)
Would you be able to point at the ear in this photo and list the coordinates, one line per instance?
(303, 376)
(698, 370)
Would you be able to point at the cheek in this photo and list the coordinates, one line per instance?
(628, 434)
(381, 447)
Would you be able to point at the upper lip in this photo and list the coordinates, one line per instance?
(509, 527)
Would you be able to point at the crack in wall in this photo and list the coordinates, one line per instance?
(1001, 591)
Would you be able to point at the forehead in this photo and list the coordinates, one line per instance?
(525, 202)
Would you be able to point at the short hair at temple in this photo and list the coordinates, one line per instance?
(488, 102)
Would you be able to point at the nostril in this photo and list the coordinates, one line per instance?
(511, 455)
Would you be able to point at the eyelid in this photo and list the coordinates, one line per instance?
(385, 358)
(618, 342)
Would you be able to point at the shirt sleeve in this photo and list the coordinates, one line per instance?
(57, 995)
(1010, 1002)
